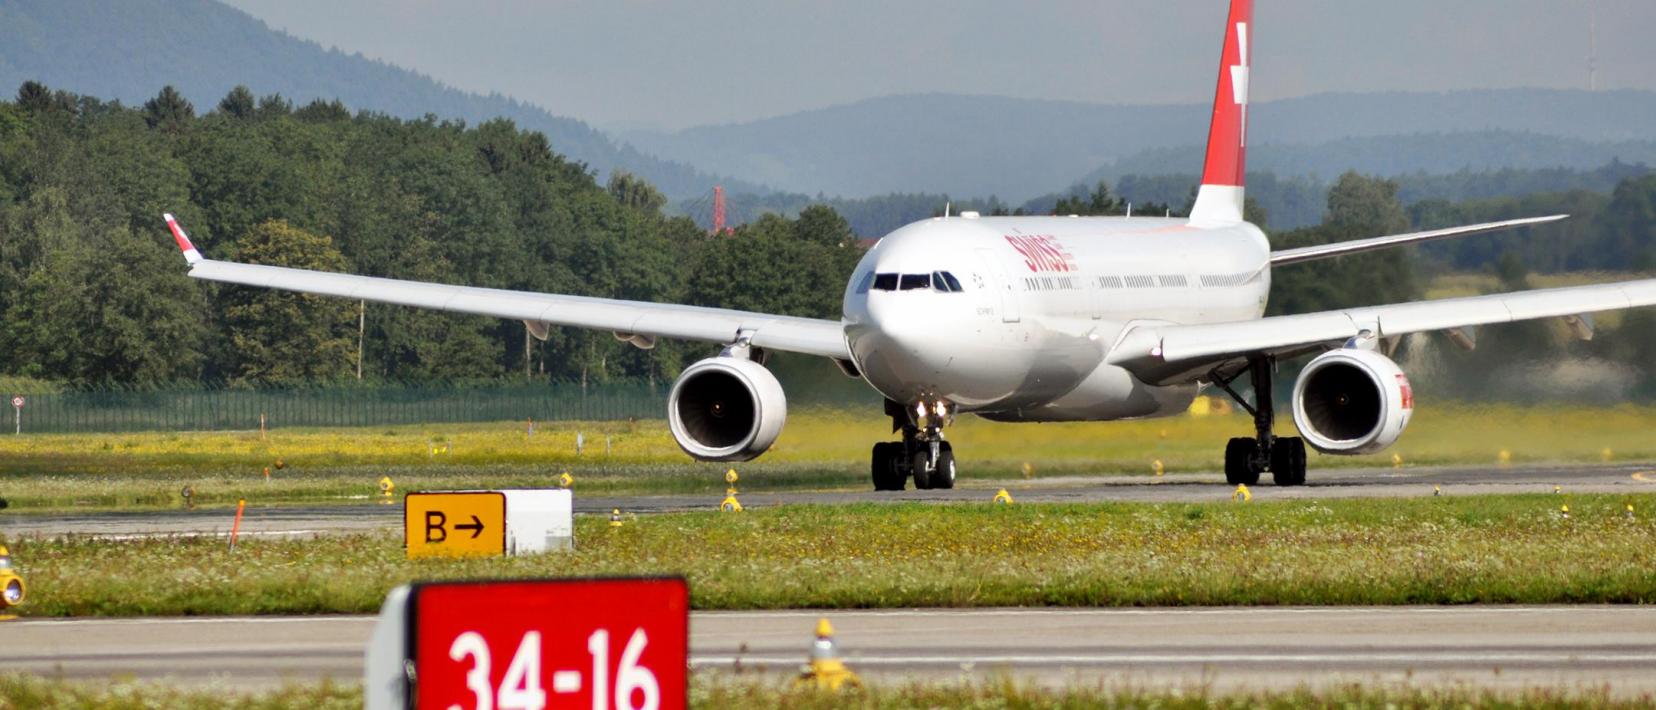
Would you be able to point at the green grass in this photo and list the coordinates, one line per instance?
(26, 691)
(718, 691)
(819, 449)
(1497, 549)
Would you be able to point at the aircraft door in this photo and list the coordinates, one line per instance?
(1010, 306)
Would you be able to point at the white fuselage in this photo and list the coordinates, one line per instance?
(1041, 302)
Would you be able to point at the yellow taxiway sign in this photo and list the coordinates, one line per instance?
(459, 524)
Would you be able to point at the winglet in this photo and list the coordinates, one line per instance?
(184, 245)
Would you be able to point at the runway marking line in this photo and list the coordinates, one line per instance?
(1058, 611)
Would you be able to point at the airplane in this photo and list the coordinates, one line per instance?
(1039, 319)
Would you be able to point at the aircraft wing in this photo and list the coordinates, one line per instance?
(1165, 354)
(810, 336)
(1324, 251)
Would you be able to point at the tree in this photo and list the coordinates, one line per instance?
(319, 111)
(1098, 202)
(774, 265)
(634, 192)
(94, 305)
(1358, 207)
(169, 110)
(34, 97)
(1630, 224)
(274, 105)
(281, 337)
(239, 103)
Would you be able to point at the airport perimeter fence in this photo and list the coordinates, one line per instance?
(211, 409)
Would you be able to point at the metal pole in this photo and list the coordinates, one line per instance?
(362, 320)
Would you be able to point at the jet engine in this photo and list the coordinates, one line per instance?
(726, 409)
(1352, 402)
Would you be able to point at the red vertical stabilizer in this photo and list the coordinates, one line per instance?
(1219, 200)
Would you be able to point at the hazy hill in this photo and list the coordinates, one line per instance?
(129, 49)
(983, 145)
(1392, 155)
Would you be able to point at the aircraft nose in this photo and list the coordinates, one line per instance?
(908, 330)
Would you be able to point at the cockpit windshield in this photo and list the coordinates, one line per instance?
(940, 281)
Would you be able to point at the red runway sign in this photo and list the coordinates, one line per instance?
(605, 643)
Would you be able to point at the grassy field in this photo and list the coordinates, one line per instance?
(712, 691)
(818, 449)
(1498, 549)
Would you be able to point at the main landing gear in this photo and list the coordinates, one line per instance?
(922, 454)
(1246, 458)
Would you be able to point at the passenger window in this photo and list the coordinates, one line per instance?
(885, 282)
(912, 282)
(954, 283)
(866, 283)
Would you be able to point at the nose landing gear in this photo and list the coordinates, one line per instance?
(1246, 458)
(922, 454)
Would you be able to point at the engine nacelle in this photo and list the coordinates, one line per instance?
(1352, 402)
(726, 409)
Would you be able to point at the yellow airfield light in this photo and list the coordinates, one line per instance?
(824, 670)
(12, 589)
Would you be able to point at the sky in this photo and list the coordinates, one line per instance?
(652, 64)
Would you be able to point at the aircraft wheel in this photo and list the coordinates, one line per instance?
(1288, 461)
(943, 475)
(884, 467)
(1239, 465)
(922, 477)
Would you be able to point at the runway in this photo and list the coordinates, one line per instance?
(357, 516)
(1259, 648)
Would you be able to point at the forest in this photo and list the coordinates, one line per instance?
(1291, 202)
(93, 292)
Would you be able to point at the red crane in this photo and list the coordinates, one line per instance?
(719, 211)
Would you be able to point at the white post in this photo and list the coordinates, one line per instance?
(362, 328)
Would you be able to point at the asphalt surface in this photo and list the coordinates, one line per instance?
(1226, 649)
(1337, 483)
